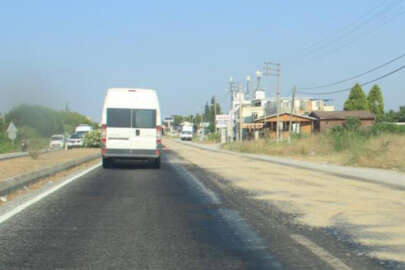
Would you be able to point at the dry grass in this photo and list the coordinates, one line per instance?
(385, 151)
(23, 165)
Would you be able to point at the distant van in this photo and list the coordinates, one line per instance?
(83, 129)
(131, 126)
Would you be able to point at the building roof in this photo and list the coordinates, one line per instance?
(342, 115)
(282, 113)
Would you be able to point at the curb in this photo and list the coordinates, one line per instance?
(16, 182)
(377, 176)
(13, 155)
(24, 154)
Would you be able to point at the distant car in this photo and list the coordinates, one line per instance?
(57, 141)
(186, 135)
(75, 141)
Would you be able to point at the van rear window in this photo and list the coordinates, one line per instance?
(119, 118)
(144, 118)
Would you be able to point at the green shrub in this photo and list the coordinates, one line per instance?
(214, 137)
(92, 139)
(27, 133)
(6, 145)
(380, 128)
(349, 136)
(35, 145)
(352, 124)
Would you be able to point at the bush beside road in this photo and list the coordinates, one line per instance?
(371, 215)
(379, 147)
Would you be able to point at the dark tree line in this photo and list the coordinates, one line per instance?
(34, 120)
(374, 102)
(359, 101)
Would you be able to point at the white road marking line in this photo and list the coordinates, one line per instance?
(27, 204)
(320, 252)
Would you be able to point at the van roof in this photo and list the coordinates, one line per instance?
(136, 98)
(127, 89)
(131, 98)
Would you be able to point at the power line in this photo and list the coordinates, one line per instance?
(356, 76)
(350, 41)
(362, 84)
(346, 27)
(357, 26)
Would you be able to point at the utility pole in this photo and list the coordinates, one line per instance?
(276, 71)
(267, 71)
(278, 103)
(231, 90)
(240, 113)
(215, 115)
(292, 111)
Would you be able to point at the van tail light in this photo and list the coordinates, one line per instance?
(159, 135)
(103, 139)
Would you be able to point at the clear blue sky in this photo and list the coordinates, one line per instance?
(53, 52)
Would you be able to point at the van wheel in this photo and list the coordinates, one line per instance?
(107, 163)
(157, 163)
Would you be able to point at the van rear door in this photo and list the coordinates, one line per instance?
(118, 128)
(144, 129)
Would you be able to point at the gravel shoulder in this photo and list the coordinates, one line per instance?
(24, 165)
(369, 215)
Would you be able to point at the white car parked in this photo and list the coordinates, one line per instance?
(75, 141)
(57, 141)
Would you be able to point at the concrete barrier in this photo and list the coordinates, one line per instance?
(16, 182)
(24, 154)
(13, 155)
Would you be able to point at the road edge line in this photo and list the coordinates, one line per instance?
(320, 252)
(44, 194)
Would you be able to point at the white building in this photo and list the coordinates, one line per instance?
(302, 105)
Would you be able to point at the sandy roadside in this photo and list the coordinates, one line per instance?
(23, 165)
(372, 214)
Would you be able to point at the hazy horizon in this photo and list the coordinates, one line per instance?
(56, 53)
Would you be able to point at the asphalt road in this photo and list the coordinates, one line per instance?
(137, 217)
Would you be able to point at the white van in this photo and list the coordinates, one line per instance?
(131, 126)
(83, 129)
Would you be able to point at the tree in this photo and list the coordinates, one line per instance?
(197, 119)
(2, 124)
(357, 100)
(214, 109)
(376, 102)
(177, 120)
(401, 114)
(393, 116)
(207, 112)
(45, 121)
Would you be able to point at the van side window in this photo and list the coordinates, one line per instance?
(119, 118)
(144, 118)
